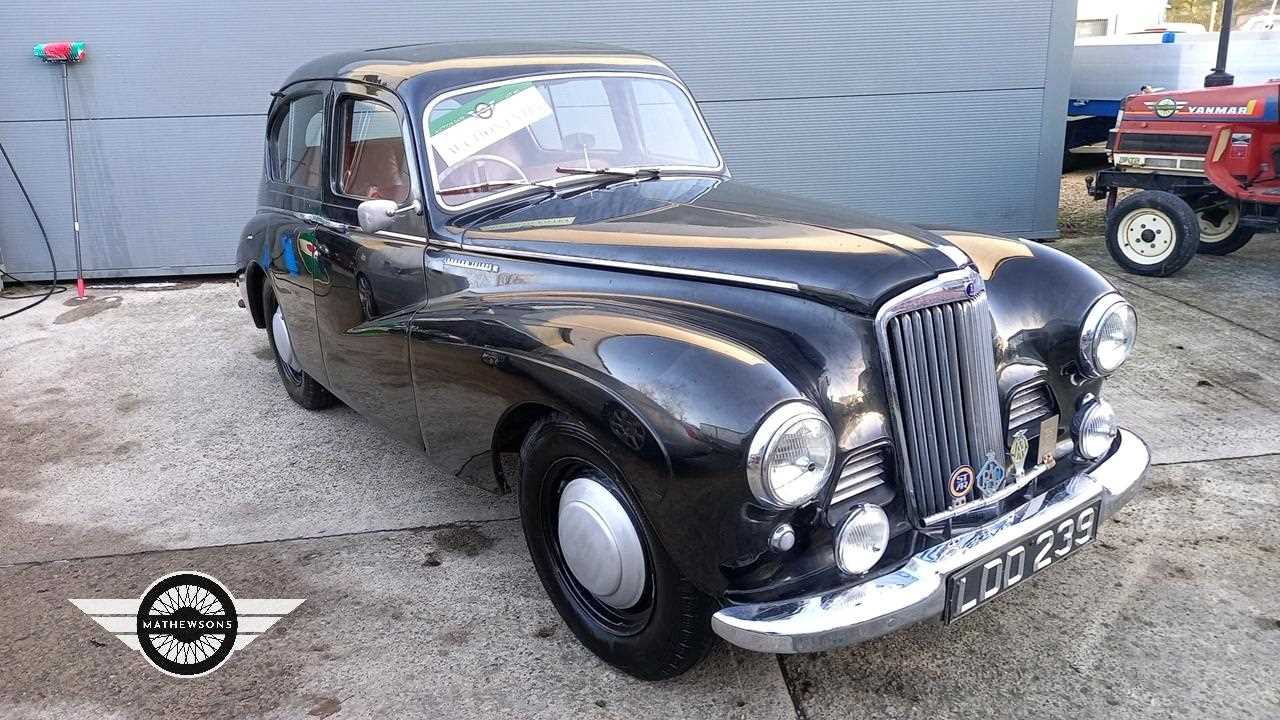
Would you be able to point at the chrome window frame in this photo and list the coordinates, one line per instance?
(406, 141)
(431, 160)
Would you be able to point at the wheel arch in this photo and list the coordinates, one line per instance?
(255, 279)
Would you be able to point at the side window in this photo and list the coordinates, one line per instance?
(371, 148)
(293, 146)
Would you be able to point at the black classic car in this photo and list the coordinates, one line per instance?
(723, 410)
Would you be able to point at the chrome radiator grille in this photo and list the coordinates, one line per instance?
(943, 373)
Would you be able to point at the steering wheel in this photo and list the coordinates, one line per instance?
(483, 158)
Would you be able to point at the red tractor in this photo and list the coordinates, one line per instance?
(1207, 162)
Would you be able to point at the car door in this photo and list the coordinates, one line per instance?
(292, 196)
(372, 282)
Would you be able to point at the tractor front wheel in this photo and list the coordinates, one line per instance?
(1153, 233)
(1220, 229)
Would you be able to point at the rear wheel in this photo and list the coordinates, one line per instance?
(1153, 233)
(600, 562)
(1220, 229)
(297, 383)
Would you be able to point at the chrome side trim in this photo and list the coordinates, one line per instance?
(639, 267)
(918, 591)
(401, 236)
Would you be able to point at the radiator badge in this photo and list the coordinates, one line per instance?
(991, 476)
(961, 481)
(1018, 453)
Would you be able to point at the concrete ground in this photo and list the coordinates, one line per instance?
(146, 432)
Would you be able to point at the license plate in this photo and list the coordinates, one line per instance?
(992, 576)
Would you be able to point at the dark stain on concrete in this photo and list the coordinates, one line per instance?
(129, 402)
(465, 539)
(124, 449)
(323, 707)
(264, 354)
(88, 308)
(544, 631)
(454, 636)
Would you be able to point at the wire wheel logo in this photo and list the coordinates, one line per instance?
(187, 624)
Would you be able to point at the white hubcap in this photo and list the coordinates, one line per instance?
(281, 334)
(600, 545)
(1228, 219)
(1146, 236)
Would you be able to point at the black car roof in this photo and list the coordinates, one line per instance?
(434, 67)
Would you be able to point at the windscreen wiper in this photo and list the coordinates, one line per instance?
(620, 172)
(490, 186)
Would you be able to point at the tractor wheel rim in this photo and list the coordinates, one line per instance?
(284, 347)
(1215, 232)
(1147, 236)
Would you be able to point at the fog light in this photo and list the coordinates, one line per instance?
(862, 539)
(1094, 428)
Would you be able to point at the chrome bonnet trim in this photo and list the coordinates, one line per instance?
(860, 612)
(639, 267)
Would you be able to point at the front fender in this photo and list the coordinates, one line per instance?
(673, 396)
(1038, 297)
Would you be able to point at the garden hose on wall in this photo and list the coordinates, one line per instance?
(53, 284)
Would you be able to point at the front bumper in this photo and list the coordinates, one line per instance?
(856, 613)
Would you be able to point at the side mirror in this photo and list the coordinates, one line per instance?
(378, 215)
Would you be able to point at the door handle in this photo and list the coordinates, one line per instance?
(324, 222)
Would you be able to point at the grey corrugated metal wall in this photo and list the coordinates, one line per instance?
(939, 112)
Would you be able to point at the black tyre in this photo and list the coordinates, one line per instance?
(1153, 233)
(1220, 230)
(629, 604)
(301, 387)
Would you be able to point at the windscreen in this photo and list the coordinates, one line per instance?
(493, 138)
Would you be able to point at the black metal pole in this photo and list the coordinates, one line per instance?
(1220, 76)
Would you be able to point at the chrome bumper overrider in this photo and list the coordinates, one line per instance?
(856, 613)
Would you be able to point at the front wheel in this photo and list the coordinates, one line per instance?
(600, 562)
(1220, 229)
(1153, 233)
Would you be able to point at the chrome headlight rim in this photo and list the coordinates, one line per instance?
(1093, 321)
(771, 430)
(868, 519)
(1090, 411)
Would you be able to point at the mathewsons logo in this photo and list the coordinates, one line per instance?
(186, 624)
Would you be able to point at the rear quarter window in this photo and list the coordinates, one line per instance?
(294, 139)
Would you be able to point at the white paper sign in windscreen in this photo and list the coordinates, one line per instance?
(489, 118)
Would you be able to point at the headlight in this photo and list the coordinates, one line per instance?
(790, 456)
(862, 539)
(1094, 427)
(1106, 339)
